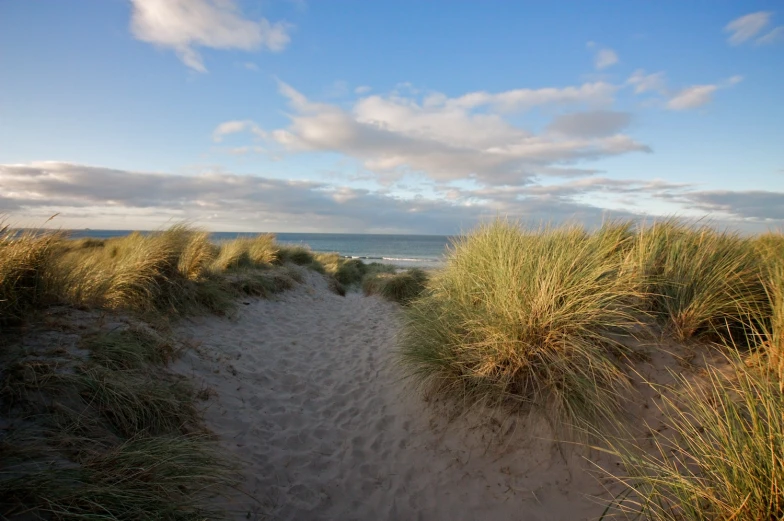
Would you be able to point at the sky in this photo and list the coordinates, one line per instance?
(389, 116)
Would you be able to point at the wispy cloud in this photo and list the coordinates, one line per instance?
(595, 93)
(185, 25)
(236, 126)
(692, 97)
(760, 205)
(747, 27)
(603, 56)
(699, 95)
(642, 82)
(445, 139)
(775, 35)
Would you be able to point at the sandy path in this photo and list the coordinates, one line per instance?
(308, 396)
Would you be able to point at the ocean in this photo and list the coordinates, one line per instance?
(426, 251)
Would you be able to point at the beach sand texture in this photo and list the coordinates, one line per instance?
(309, 397)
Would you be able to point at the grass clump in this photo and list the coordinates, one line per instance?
(345, 273)
(111, 437)
(722, 456)
(168, 478)
(700, 282)
(130, 348)
(24, 259)
(299, 255)
(400, 287)
(255, 252)
(525, 314)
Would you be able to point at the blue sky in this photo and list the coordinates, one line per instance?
(413, 117)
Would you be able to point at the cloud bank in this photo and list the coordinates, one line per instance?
(99, 197)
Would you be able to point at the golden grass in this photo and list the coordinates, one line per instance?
(721, 455)
(526, 315)
(24, 258)
(401, 287)
(174, 271)
(700, 282)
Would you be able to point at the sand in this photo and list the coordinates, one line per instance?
(307, 394)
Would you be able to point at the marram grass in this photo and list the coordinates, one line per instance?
(173, 271)
(721, 456)
(24, 258)
(169, 478)
(699, 282)
(401, 287)
(526, 315)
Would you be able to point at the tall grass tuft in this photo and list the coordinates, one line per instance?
(296, 255)
(721, 457)
(398, 287)
(24, 258)
(700, 282)
(169, 478)
(255, 252)
(527, 315)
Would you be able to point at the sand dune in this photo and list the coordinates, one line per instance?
(308, 396)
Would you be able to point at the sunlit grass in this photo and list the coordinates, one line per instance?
(525, 314)
(400, 287)
(699, 282)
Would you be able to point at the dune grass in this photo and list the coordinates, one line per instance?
(166, 478)
(400, 287)
(113, 436)
(343, 273)
(721, 455)
(24, 258)
(116, 436)
(256, 252)
(526, 315)
(174, 271)
(130, 348)
(699, 282)
(299, 255)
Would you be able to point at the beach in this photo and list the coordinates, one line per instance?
(307, 394)
(165, 376)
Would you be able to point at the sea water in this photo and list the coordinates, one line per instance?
(426, 251)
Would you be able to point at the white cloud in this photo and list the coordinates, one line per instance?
(605, 58)
(734, 80)
(747, 27)
(699, 95)
(362, 89)
(596, 93)
(775, 35)
(183, 25)
(643, 82)
(692, 97)
(241, 151)
(234, 127)
(445, 138)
